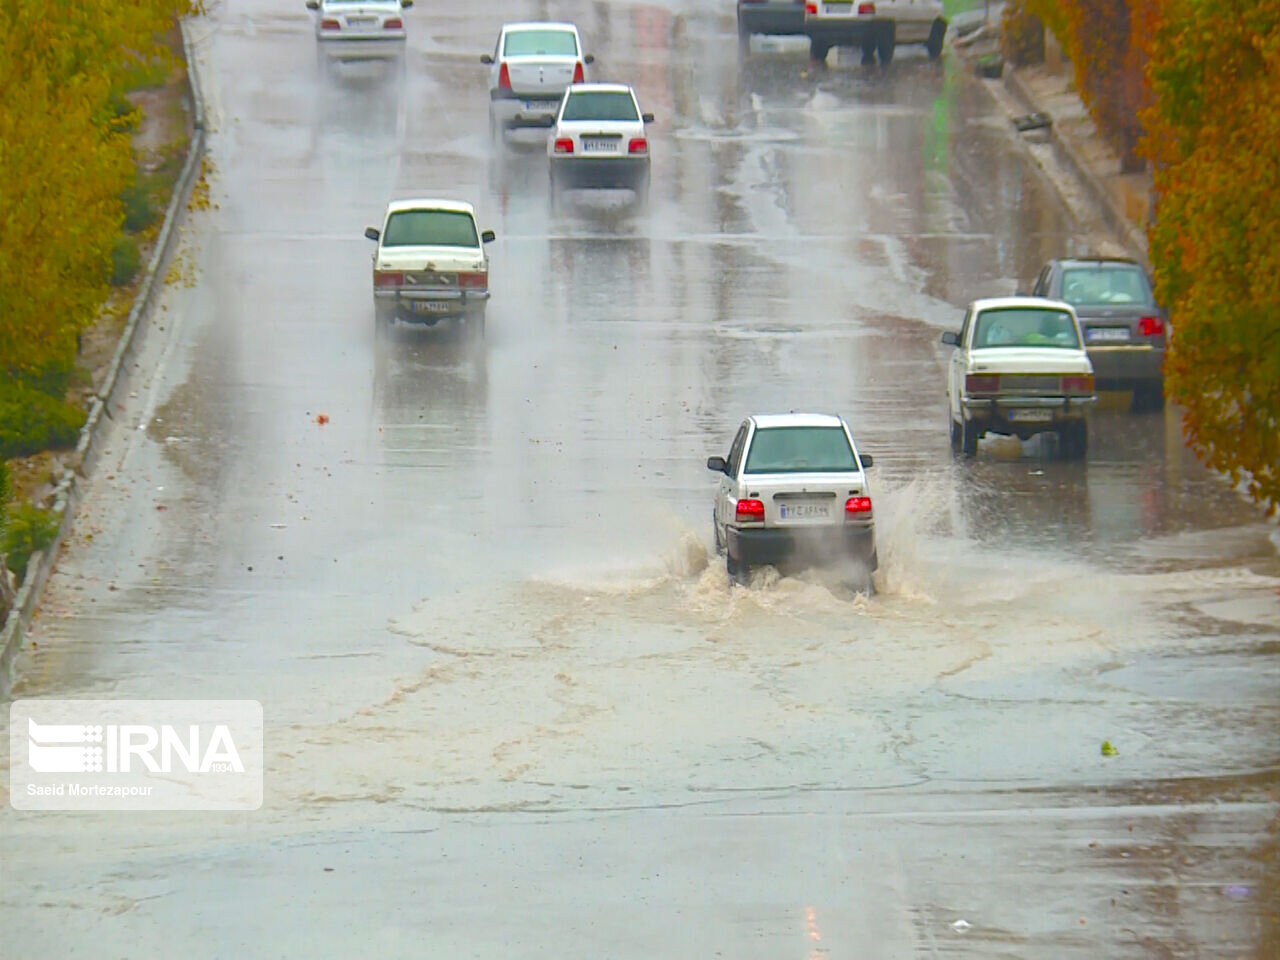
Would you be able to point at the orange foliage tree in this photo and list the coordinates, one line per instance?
(1214, 138)
(65, 157)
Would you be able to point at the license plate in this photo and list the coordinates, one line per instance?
(1030, 416)
(429, 306)
(837, 7)
(361, 21)
(1108, 334)
(590, 145)
(803, 511)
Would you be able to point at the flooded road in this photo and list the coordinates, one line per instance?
(513, 706)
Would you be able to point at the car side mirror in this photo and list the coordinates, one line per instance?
(406, 3)
(589, 59)
(951, 338)
(486, 59)
(717, 464)
(373, 233)
(647, 117)
(488, 236)
(313, 4)
(868, 461)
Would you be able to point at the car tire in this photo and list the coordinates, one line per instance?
(1073, 438)
(642, 189)
(744, 39)
(738, 572)
(1148, 398)
(715, 534)
(969, 435)
(557, 191)
(886, 42)
(868, 53)
(818, 51)
(937, 34)
(495, 129)
(475, 325)
(955, 435)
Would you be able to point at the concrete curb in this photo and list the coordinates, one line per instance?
(66, 494)
(1116, 218)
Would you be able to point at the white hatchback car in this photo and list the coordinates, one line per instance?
(430, 263)
(531, 67)
(360, 29)
(599, 140)
(794, 489)
(876, 26)
(1019, 368)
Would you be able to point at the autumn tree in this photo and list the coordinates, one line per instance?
(1214, 138)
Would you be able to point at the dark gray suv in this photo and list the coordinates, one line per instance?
(1125, 331)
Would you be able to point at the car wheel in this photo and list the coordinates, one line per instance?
(1148, 398)
(955, 436)
(715, 533)
(937, 34)
(1074, 439)
(475, 325)
(557, 191)
(744, 39)
(642, 189)
(885, 43)
(868, 53)
(818, 51)
(738, 572)
(969, 434)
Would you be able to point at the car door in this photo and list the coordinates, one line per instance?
(956, 368)
(727, 489)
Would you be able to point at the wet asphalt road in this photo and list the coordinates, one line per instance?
(513, 707)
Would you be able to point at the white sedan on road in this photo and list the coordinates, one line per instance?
(531, 67)
(1019, 368)
(599, 140)
(430, 263)
(360, 29)
(793, 490)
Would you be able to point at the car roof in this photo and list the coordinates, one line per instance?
(428, 203)
(998, 303)
(540, 25)
(600, 88)
(1097, 261)
(765, 421)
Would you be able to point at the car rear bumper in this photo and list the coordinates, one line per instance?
(1024, 416)
(426, 306)
(531, 112)
(1127, 364)
(616, 171)
(809, 545)
(771, 17)
(851, 31)
(364, 48)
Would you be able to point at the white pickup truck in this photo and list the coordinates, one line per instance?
(876, 26)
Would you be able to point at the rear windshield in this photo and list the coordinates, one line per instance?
(601, 105)
(430, 228)
(546, 43)
(1105, 287)
(800, 450)
(1025, 327)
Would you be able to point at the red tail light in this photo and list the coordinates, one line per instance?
(395, 23)
(638, 145)
(564, 145)
(866, 9)
(750, 510)
(330, 25)
(579, 74)
(811, 9)
(857, 505)
(1151, 326)
(980, 384)
(504, 78)
(387, 278)
(473, 281)
(1078, 385)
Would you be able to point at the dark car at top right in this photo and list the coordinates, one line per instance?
(1125, 330)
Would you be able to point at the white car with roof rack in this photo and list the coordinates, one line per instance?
(599, 140)
(531, 67)
(793, 489)
(1019, 369)
(360, 29)
(430, 263)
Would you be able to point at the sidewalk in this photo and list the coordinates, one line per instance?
(1122, 200)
